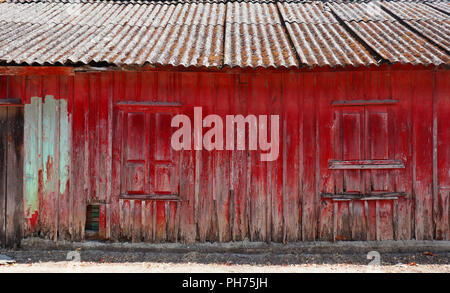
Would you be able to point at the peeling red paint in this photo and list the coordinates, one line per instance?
(33, 220)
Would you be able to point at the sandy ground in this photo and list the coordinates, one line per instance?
(89, 267)
(97, 261)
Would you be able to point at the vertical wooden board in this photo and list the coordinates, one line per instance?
(205, 212)
(343, 215)
(65, 152)
(291, 157)
(33, 88)
(16, 87)
(14, 177)
(374, 82)
(172, 222)
(130, 82)
(50, 155)
(357, 85)
(118, 120)
(3, 169)
(104, 157)
(147, 89)
(370, 211)
(442, 94)
(402, 91)
(326, 135)
(309, 216)
(147, 220)
(221, 185)
(275, 204)
(79, 155)
(187, 210)
(126, 219)
(32, 163)
(384, 211)
(187, 195)
(92, 138)
(259, 193)
(240, 171)
(161, 226)
(326, 228)
(358, 221)
(443, 212)
(102, 221)
(423, 154)
(65, 157)
(3, 86)
(137, 222)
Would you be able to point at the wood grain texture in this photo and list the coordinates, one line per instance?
(389, 125)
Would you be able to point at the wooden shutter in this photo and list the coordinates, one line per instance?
(148, 163)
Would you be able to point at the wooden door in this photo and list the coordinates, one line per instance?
(11, 175)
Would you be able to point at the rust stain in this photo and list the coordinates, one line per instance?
(49, 168)
(40, 182)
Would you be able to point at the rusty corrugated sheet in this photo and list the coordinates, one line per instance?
(387, 36)
(217, 33)
(442, 5)
(319, 39)
(255, 37)
(154, 33)
(427, 21)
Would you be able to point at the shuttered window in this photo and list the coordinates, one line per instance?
(149, 165)
(365, 149)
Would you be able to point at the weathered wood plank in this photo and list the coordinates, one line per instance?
(292, 156)
(442, 92)
(14, 177)
(187, 210)
(137, 222)
(403, 209)
(257, 104)
(50, 156)
(365, 164)
(309, 148)
(240, 171)
(277, 190)
(3, 169)
(32, 163)
(327, 135)
(65, 158)
(423, 155)
(79, 154)
(204, 165)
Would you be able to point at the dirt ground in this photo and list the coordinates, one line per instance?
(98, 261)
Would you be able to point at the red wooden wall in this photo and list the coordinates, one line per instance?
(232, 195)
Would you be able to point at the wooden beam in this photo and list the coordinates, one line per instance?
(157, 197)
(363, 102)
(365, 164)
(152, 107)
(35, 70)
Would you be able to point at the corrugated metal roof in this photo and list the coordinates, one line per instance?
(443, 6)
(319, 39)
(218, 33)
(255, 37)
(427, 21)
(387, 36)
